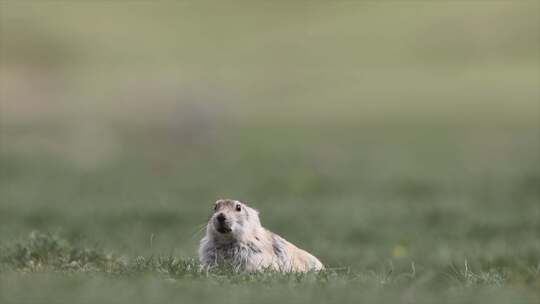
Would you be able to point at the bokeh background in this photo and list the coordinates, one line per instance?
(364, 132)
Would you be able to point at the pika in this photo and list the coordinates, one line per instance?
(235, 237)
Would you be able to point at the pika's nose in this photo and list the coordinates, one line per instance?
(221, 218)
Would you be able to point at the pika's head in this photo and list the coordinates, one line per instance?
(232, 220)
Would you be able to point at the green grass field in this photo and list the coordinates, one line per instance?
(396, 215)
(398, 141)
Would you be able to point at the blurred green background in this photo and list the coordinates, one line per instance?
(364, 132)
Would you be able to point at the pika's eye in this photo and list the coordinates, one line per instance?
(238, 208)
(215, 207)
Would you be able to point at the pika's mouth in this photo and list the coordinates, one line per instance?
(223, 229)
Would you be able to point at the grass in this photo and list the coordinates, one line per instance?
(396, 215)
(51, 258)
(403, 155)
